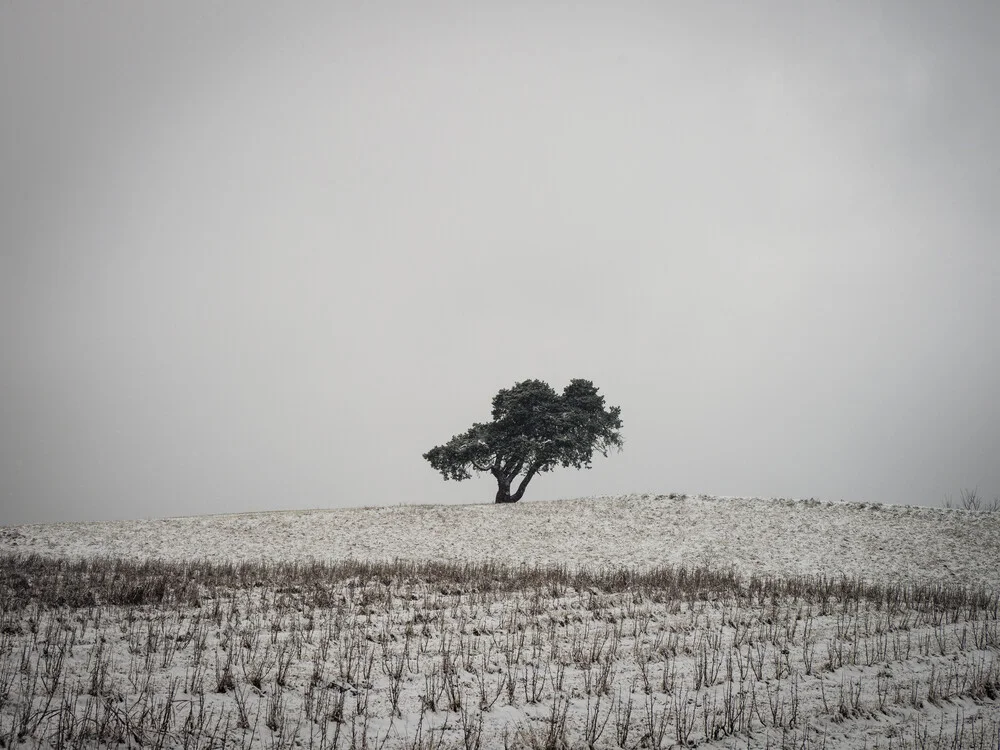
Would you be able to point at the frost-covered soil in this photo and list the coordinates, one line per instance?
(756, 536)
(210, 655)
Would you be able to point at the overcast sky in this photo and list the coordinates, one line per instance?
(262, 256)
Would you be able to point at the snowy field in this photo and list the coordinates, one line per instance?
(796, 624)
(755, 536)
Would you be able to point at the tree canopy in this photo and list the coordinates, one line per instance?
(534, 429)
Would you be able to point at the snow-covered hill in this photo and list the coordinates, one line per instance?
(753, 535)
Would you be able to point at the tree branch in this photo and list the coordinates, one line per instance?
(510, 471)
(524, 483)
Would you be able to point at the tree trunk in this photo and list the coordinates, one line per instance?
(503, 487)
(503, 491)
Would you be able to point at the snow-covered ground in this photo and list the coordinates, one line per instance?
(756, 536)
(407, 664)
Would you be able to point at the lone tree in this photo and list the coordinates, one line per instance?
(534, 429)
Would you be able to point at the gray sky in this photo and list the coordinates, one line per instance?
(263, 256)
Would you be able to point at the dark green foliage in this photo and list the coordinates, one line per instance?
(534, 429)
